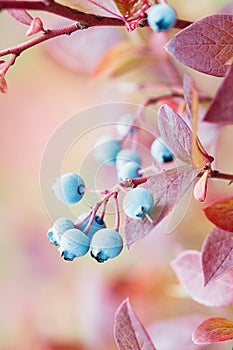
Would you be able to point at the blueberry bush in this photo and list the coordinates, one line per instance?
(182, 148)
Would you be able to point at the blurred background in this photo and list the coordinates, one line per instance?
(47, 303)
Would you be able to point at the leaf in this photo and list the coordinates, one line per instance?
(21, 16)
(180, 333)
(133, 11)
(129, 332)
(216, 255)
(187, 267)
(167, 188)
(175, 133)
(97, 7)
(205, 45)
(200, 188)
(36, 26)
(213, 330)
(220, 110)
(220, 213)
(188, 87)
(3, 85)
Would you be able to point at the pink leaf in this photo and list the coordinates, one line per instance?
(21, 16)
(200, 188)
(213, 330)
(187, 267)
(129, 332)
(167, 188)
(175, 133)
(96, 7)
(133, 11)
(188, 88)
(220, 110)
(36, 26)
(220, 213)
(217, 255)
(3, 85)
(206, 45)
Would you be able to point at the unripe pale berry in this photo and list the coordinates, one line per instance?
(123, 126)
(129, 170)
(160, 152)
(106, 149)
(161, 17)
(74, 243)
(59, 227)
(106, 244)
(127, 155)
(68, 188)
(97, 224)
(137, 203)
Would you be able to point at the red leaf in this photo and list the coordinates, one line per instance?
(187, 267)
(129, 332)
(21, 16)
(200, 188)
(3, 85)
(213, 330)
(217, 255)
(133, 11)
(206, 45)
(220, 110)
(36, 26)
(167, 188)
(175, 133)
(220, 213)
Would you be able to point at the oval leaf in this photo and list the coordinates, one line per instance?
(220, 213)
(217, 255)
(129, 332)
(95, 7)
(187, 267)
(213, 330)
(220, 110)
(200, 188)
(36, 26)
(167, 189)
(206, 45)
(21, 16)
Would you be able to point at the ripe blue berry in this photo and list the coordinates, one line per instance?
(129, 170)
(59, 227)
(106, 149)
(160, 152)
(106, 244)
(137, 203)
(161, 17)
(127, 155)
(74, 243)
(68, 188)
(124, 125)
(97, 224)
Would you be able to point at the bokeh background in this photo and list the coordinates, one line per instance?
(47, 303)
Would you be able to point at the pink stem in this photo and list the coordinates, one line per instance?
(6, 65)
(117, 212)
(83, 220)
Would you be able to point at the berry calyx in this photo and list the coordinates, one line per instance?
(69, 188)
(60, 226)
(97, 224)
(106, 244)
(74, 243)
(138, 203)
(160, 152)
(161, 17)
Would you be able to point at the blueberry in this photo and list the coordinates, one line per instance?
(106, 244)
(124, 125)
(74, 243)
(161, 17)
(59, 227)
(68, 188)
(137, 203)
(106, 149)
(97, 224)
(160, 152)
(129, 170)
(127, 155)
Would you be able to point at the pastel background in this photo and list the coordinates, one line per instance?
(47, 303)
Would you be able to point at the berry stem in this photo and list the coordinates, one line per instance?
(117, 212)
(83, 220)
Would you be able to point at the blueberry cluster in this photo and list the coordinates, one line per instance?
(89, 231)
